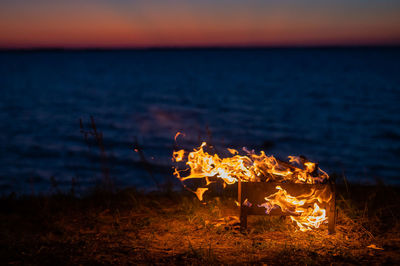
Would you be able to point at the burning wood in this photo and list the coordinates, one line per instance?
(298, 188)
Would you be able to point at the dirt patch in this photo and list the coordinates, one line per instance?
(132, 228)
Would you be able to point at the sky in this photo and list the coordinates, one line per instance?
(173, 23)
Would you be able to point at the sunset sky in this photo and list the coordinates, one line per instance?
(146, 23)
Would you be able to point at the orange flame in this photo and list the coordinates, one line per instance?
(178, 155)
(303, 210)
(200, 191)
(178, 134)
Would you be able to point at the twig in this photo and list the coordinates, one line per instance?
(144, 161)
(98, 136)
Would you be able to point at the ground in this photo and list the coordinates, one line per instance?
(129, 227)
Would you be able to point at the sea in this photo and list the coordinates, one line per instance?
(339, 107)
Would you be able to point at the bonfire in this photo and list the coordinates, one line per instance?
(266, 185)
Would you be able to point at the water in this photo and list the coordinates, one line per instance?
(339, 107)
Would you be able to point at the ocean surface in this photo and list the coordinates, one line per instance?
(339, 107)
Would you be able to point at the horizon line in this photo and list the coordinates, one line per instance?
(199, 47)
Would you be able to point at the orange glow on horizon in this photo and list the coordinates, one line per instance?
(106, 26)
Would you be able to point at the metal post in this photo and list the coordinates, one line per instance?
(332, 210)
(242, 209)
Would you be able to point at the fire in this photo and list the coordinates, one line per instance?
(178, 134)
(178, 155)
(305, 210)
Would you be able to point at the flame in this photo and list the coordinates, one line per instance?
(233, 151)
(200, 191)
(250, 168)
(178, 134)
(178, 155)
(305, 210)
(247, 203)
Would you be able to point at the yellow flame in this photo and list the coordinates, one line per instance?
(250, 168)
(233, 151)
(178, 155)
(310, 167)
(305, 210)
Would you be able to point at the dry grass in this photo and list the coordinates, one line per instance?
(131, 228)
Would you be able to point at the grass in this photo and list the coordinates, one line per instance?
(129, 227)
